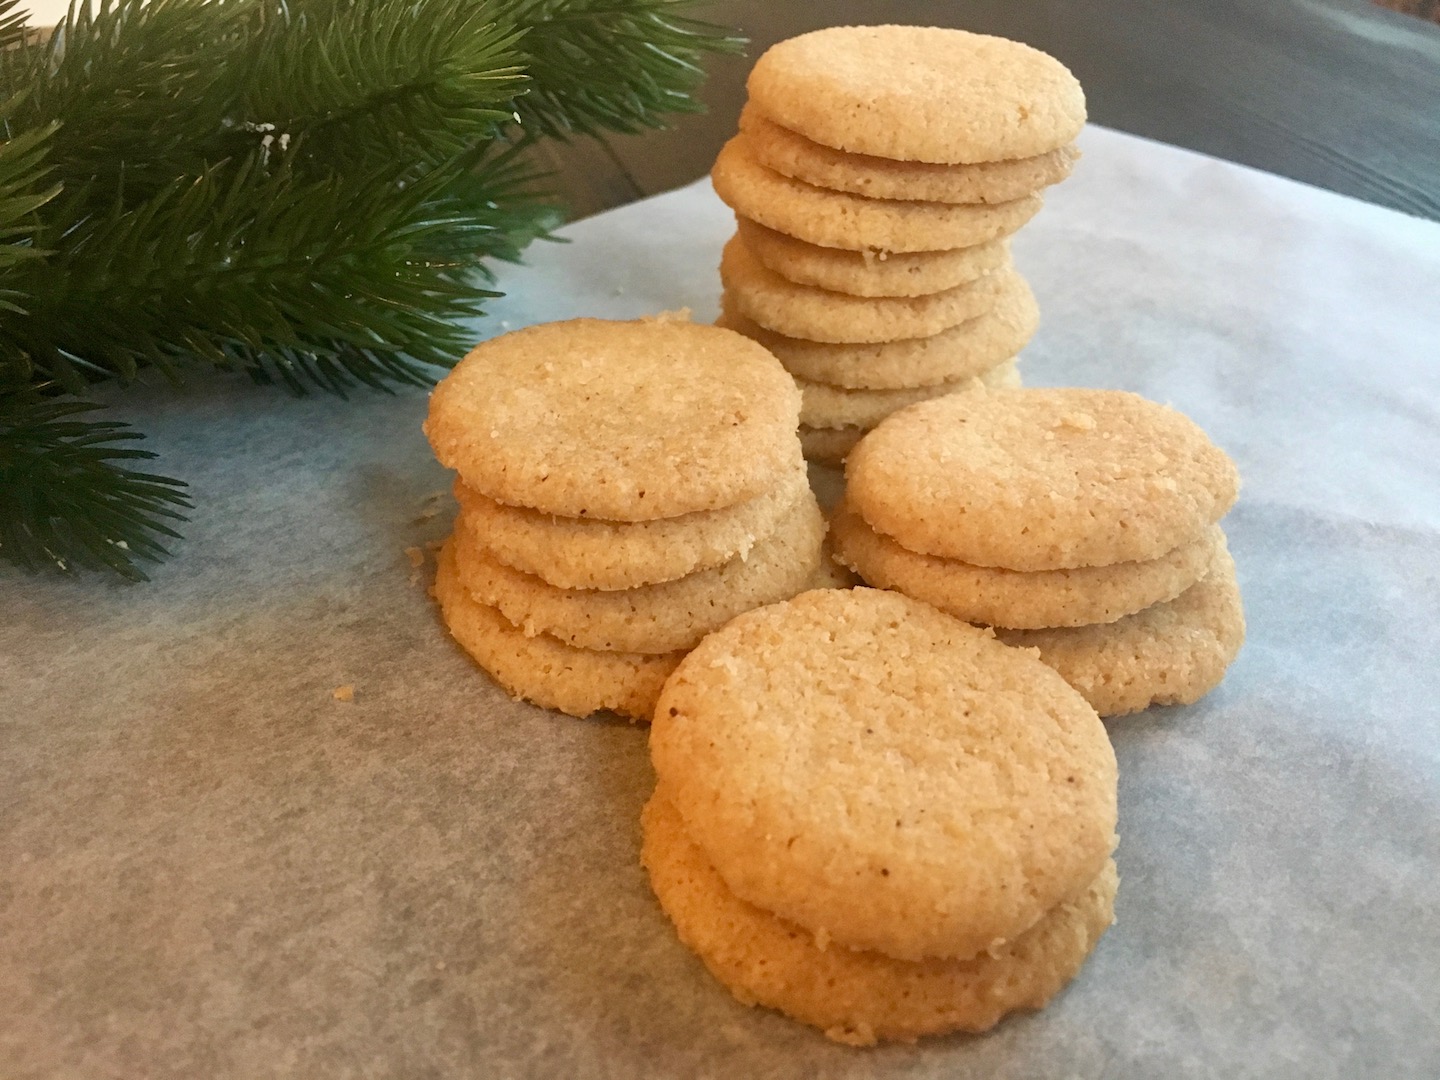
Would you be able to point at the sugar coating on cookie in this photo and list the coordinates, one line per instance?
(823, 406)
(587, 553)
(625, 421)
(914, 93)
(884, 775)
(1169, 654)
(840, 220)
(960, 352)
(804, 311)
(791, 154)
(652, 618)
(1041, 479)
(542, 670)
(860, 997)
(866, 273)
(1020, 599)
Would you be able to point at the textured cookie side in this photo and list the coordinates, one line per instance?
(587, 553)
(791, 154)
(823, 406)
(542, 670)
(657, 618)
(1170, 654)
(1019, 599)
(860, 997)
(961, 352)
(839, 220)
(829, 446)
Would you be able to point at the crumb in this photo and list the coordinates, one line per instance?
(415, 555)
(1079, 421)
(344, 693)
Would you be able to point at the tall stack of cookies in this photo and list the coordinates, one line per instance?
(1082, 523)
(879, 820)
(876, 176)
(625, 488)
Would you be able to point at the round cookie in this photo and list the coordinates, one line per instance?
(653, 618)
(1169, 654)
(961, 352)
(840, 220)
(915, 93)
(824, 406)
(625, 421)
(829, 446)
(864, 273)
(860, 997)
(803, 311)
(1041, 479)
(795, 156)
(586, 553)
(545, 671)
(1017, 599)
(888, 777)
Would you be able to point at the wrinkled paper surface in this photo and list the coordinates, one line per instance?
(209, 866)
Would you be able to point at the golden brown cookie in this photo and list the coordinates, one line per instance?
(916, 93)
(860, 997)
(1041, 479)
(587, 553)
(793, 155)
(829, 446)
(824, 406)
(652, 618)
(625, 421)
(1017, 599)
(803, 311)
(884, 775)
(1169, 654)
(961, 352)
(545, 671)
(840, 220)
(868, 273)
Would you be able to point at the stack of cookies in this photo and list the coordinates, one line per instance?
(879, 820)
(1078, 522)
(877, 174)
(625, 488)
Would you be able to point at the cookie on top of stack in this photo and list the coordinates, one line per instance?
(1082, 523)
(876, 176)
(625, 488)
(878, 819)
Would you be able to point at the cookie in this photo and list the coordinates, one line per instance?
(545, 671)
(884, 775)
(586, 553)
(840, 220)
(653, 618)
(860, 997)
(1017, 599)
(795, 156)
(1041, 479)
(625, 421)
(804, 311)
(824, 406)
(829, 446)
(865, 273)
(961, 352)
(914, 93)
(1169, 654)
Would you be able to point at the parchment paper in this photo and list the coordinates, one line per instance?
(211, 868)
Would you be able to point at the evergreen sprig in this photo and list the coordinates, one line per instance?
(302, 190)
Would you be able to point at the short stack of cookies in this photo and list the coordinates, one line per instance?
(876, 176)
(1082, 523)
(878, 819)
(625, 488)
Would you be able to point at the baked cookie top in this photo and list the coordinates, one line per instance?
(625, 421)
(884, 775)
(1041, 479)
(915, 93)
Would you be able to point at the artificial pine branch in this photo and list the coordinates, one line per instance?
(302, 190)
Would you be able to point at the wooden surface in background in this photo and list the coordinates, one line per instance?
(1341, 94)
